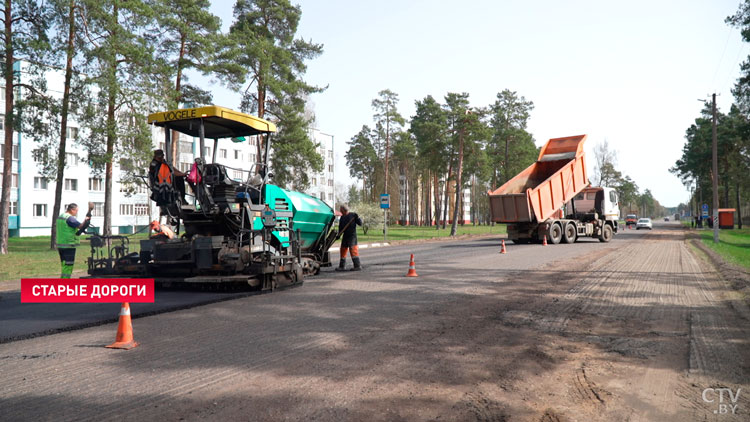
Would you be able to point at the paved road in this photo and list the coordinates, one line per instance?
(631, 330)
(19, 321)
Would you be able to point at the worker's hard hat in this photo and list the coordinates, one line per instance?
(154, 225)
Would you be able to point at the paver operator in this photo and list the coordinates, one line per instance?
(69, 231)
(160, 176)
(348, 232)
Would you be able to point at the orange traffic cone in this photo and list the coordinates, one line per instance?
(544, 242)
(124, 339)
(503, 249)
(412, 268)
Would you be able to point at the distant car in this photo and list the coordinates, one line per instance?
(631, 219)
(644, 223)
(666, 218)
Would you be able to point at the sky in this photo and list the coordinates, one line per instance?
(630, 73)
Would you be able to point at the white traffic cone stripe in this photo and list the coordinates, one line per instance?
(124, 311)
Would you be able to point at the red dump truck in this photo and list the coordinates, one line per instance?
(552, 198)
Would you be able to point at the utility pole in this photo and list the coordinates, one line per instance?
(715, 171)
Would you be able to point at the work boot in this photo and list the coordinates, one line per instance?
(342, 265)
(357, 265)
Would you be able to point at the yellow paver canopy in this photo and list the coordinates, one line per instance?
(219, 122)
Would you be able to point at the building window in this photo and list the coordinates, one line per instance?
(71, 132)
(95, 184)
(206, 152)
(330, 168)
(322, 196)
(2, 116)
(40, 210)
(71, 184)
(98, 210)
(14, 151)
(323, 181)
(14, 208)
(314, 181)
(141, 209)
(330, 197)
(237, 155)
(252, 158)
(71, 159)
(330, 182)
(330, 154)
(186, 147)
(126, 209)
(40, 183)
(185, 167)
(222, 153)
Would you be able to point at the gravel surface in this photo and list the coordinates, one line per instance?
(631, 330)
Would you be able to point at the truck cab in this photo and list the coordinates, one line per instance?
(602, 200)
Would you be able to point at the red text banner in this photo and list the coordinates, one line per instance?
(90, 290)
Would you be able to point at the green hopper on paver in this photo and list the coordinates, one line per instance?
(310, 215)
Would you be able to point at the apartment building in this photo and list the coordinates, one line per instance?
(322, 184)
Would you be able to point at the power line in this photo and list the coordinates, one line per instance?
(743, 48)
(718, 66)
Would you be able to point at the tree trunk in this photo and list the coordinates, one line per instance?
(739, 205)
(428, 202)
(505, 163)
(445, 207)
(261, 113)
(175, 150)
(458, 181)
(60, 178)
(111, 138)
(9, 123)
(436, 188)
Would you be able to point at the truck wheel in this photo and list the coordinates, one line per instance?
(570, 234)
(606, 235)
(555, 234)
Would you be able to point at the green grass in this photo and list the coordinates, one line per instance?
(396, 233)
(733, 246)
(32, 257)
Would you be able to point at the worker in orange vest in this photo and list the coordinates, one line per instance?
(160, 173)
(161, 232)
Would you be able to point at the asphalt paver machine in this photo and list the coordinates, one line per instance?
(238, 230)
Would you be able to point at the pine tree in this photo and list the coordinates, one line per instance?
(24, 36)
(264, 34)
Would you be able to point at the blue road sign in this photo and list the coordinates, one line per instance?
(385, 201)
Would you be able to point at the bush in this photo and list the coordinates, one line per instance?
(372, 215)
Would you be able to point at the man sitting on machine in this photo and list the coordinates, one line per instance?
(160, 178)
(161, 232)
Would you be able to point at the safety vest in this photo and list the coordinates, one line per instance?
(66, 235)
(164, 175)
